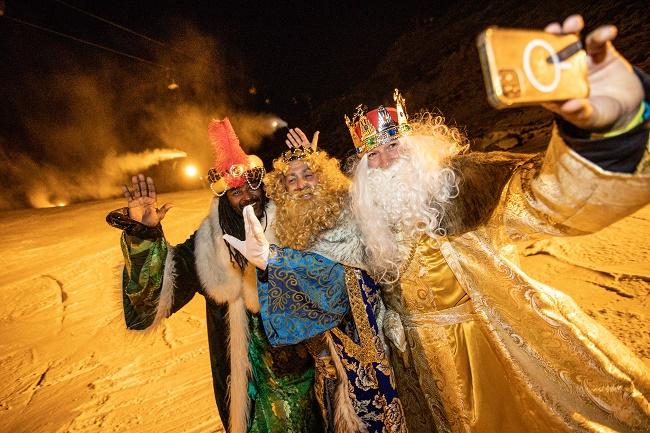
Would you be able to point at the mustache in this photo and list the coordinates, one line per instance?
(254, 201)
(298, 195)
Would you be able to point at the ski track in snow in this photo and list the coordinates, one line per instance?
(69, 364)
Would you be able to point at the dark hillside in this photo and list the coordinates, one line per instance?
(436, 67)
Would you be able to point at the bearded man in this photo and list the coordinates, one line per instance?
(313, 288)
(478, 345)
(258, 388)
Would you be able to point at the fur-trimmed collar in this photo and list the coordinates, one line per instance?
(223, 281)
(342, 243)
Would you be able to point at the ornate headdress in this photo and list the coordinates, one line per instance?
(297, 153)
(232, 167)
(370, 129)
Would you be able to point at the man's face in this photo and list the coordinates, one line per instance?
(241, 197)
(300, 177)
(383, 156)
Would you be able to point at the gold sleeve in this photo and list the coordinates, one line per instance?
(564, 194)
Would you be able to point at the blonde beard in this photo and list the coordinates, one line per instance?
(300, 221)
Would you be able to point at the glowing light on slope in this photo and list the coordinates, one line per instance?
(191, 171)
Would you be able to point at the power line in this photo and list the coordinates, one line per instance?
(83, 41)
(97, 17)
(126, 29)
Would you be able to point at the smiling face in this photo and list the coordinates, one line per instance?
(300, 177)
(245, 195)
(309, 193)
(383, 156)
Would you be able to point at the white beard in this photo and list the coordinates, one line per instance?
(399, 203)
(387, 201)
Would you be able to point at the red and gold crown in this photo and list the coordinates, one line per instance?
(382, 125)
(232, 167)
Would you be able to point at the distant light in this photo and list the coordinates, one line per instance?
(276, 123)
(61, 204)
(252, 91)
(172, 86)
(191, 171)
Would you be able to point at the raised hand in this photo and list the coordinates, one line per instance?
(615, 92)
(255, 247)
(296, 139)
(142, 201)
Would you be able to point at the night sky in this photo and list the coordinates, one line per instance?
(71, 109)
(287, 51)
(77, 120)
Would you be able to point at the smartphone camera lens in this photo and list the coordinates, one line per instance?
(509, 83)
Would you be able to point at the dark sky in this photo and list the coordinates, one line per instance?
(75, 119)
(284, 49)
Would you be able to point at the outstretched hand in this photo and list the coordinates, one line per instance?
(255, 247)
(615, 92)
(142, 201)
(296, 139)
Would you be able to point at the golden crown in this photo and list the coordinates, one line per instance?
(296, 153)
(370, 129)
(281, 163)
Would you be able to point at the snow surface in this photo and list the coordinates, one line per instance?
(69, 365)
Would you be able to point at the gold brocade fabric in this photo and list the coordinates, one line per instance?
(465, 387)
(494, 351)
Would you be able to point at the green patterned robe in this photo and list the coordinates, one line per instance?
(280, 383)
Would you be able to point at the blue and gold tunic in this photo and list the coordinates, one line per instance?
(305, 295)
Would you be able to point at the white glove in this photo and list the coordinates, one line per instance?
(255, 247)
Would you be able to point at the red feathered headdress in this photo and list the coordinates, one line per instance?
(231, 167)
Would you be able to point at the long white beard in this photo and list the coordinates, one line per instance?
(393, 195)
(400, 203)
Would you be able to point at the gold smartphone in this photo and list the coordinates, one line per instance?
(524, 67)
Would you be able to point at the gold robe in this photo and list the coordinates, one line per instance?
(487, 349)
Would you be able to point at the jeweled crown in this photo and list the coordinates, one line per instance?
(296, 153)
(281, 163)
(382, 125)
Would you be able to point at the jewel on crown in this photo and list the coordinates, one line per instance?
(382, 125)
(296, 153)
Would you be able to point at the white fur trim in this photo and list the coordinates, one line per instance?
(240, 367)
(220, 279)
(166, 298)
(249, 289)
(342, 243)
(346, 419)
(223, 281)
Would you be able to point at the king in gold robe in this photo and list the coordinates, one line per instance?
(478, 345)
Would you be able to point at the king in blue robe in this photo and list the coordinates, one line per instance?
(305, 297)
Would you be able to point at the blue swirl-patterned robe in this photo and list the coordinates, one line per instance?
(305, 295)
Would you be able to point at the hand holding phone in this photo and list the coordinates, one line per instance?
(524, 67)
(615, 91)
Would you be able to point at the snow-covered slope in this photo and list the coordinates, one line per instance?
(69, 365)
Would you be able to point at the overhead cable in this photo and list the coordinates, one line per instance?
(133, 32)
(83, 41)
